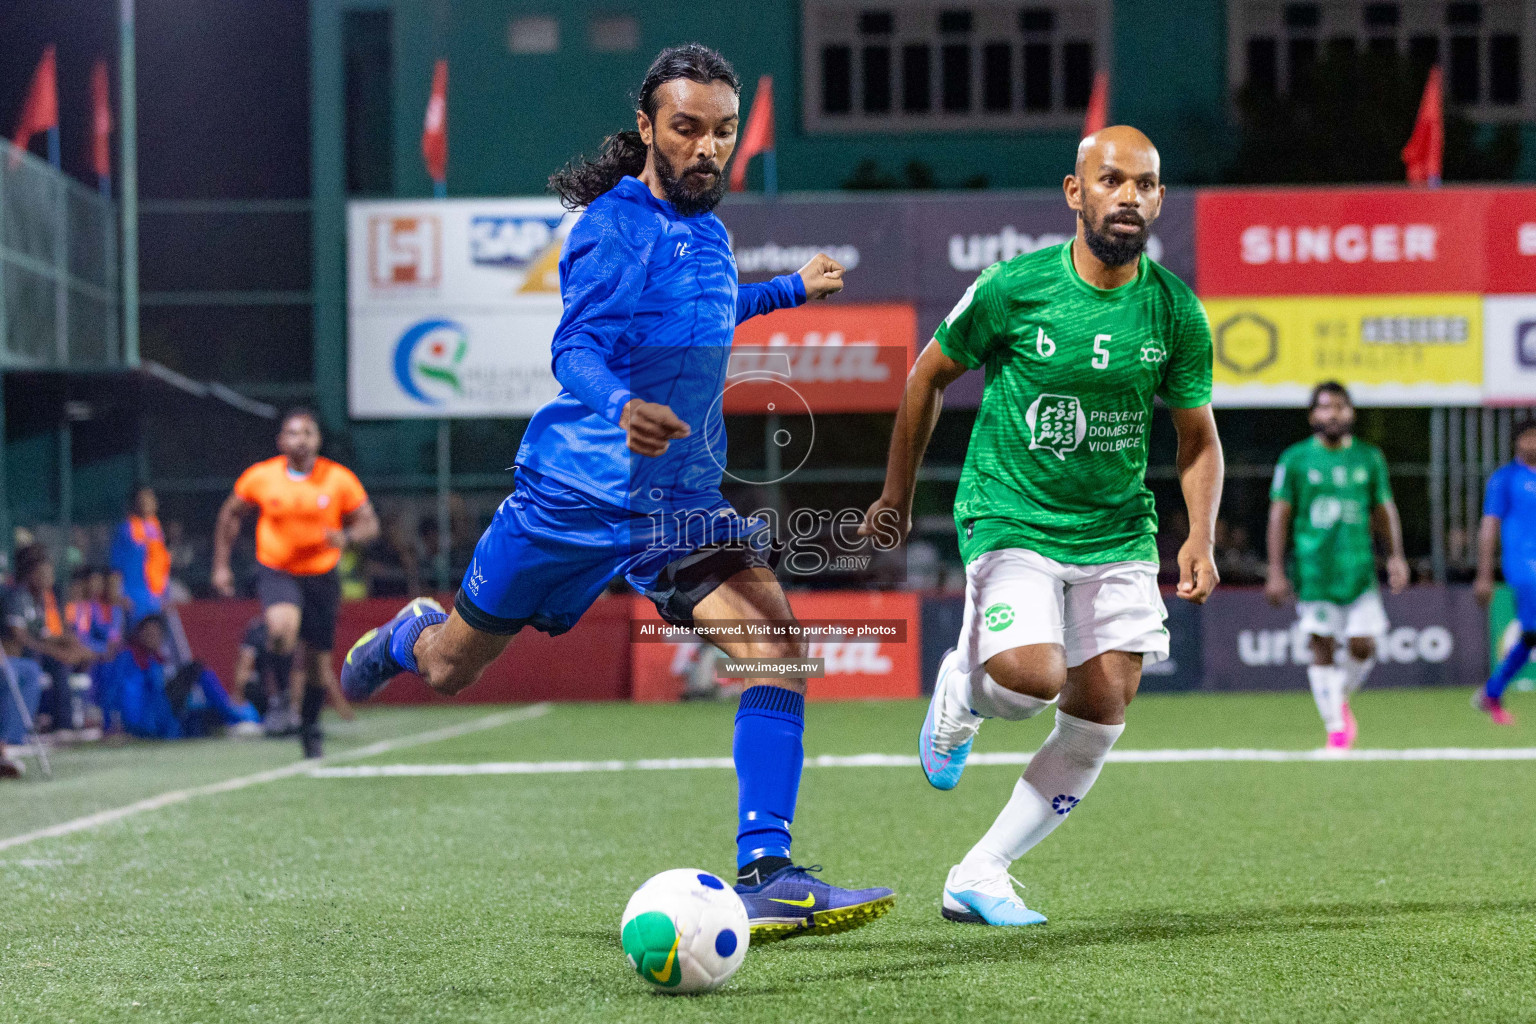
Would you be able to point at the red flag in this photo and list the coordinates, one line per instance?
(434, 133)
(1098, 105)
(1426, 146)
(40, 110)
(757, 137)
(101, 122)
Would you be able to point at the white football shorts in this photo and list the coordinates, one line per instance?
(1364, 616)
(1015, 597)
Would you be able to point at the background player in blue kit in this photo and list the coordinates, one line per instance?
(1509, 522)
(620, 474)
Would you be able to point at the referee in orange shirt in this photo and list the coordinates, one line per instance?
(311, 508)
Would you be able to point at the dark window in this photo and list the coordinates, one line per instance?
(997, 76)
(1463, 14)
(1341, 48)
(956, 69)
(877, 23)
(915, 89)
(1423, 52)
(1037, 76)
(1504, 69)
(1037, 19)
(1300, 55)
(1077, 75)
(370, 92)
(836, 79)
(1382, 46)
(1382, 15)
(1263, 66)
(1302, 16)
(1464, 69)
(954, 21)
(877, 79)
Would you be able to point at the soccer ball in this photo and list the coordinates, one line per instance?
(685, 931)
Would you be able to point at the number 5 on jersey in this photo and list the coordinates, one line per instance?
(1100, 353)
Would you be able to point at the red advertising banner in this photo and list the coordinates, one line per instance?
(856, 669)
(1511, 240)
(1334, 241)
(591, 662)
(822, 357)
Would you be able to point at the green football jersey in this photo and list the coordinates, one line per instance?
(1058, 457)
(1331, 492)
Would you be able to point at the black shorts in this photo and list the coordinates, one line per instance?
(318, 598)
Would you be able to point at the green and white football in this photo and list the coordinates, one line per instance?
(685, 930)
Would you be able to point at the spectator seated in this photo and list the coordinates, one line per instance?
(137, 697)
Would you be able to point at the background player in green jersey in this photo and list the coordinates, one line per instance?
(1333, 489)
(1056, 524)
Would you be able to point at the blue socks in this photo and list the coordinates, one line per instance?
(402, 646)
(1513, 662)
(769, 752)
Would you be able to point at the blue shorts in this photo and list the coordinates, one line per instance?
(551, 550)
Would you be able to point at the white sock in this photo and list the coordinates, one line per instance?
(986, 697)
(1328, 693)
(1355, 670)
(1058, 777)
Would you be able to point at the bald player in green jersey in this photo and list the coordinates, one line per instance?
(1057, 526)
(1331, 490)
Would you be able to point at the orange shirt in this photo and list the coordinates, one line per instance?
(296, 513)
(157, 558)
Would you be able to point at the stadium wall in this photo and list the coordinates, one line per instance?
(1438, 637)
(509, 128)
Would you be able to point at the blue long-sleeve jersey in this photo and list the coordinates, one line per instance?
(651, 304)
(1511, 496)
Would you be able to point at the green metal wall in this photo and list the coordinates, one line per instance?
(514, 118)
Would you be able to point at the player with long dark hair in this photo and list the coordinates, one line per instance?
(620, 474)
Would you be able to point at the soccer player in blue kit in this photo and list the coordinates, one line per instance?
(620, 474)
(1509, 522)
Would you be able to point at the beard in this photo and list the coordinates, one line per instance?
(689, 200)
(1336, 431)
(1112, 248)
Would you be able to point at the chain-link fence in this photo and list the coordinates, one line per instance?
(58, 268)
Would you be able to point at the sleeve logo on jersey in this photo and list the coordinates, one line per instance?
(1057, 424)
(1153, 353)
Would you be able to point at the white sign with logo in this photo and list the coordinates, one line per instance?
(452, 305)
(1509, 349)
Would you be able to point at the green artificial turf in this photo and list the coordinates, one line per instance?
(1177, 892)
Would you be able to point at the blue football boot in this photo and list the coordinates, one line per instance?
(369, 664)
(790, 902)
(949, 730)
(985, 901)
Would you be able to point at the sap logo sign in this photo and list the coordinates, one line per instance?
(510, 241)
(1525, 343)
(1259, 648)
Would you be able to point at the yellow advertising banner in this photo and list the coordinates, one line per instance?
(1387, 349)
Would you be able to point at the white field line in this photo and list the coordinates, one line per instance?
(177, 796)
(376, 771)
